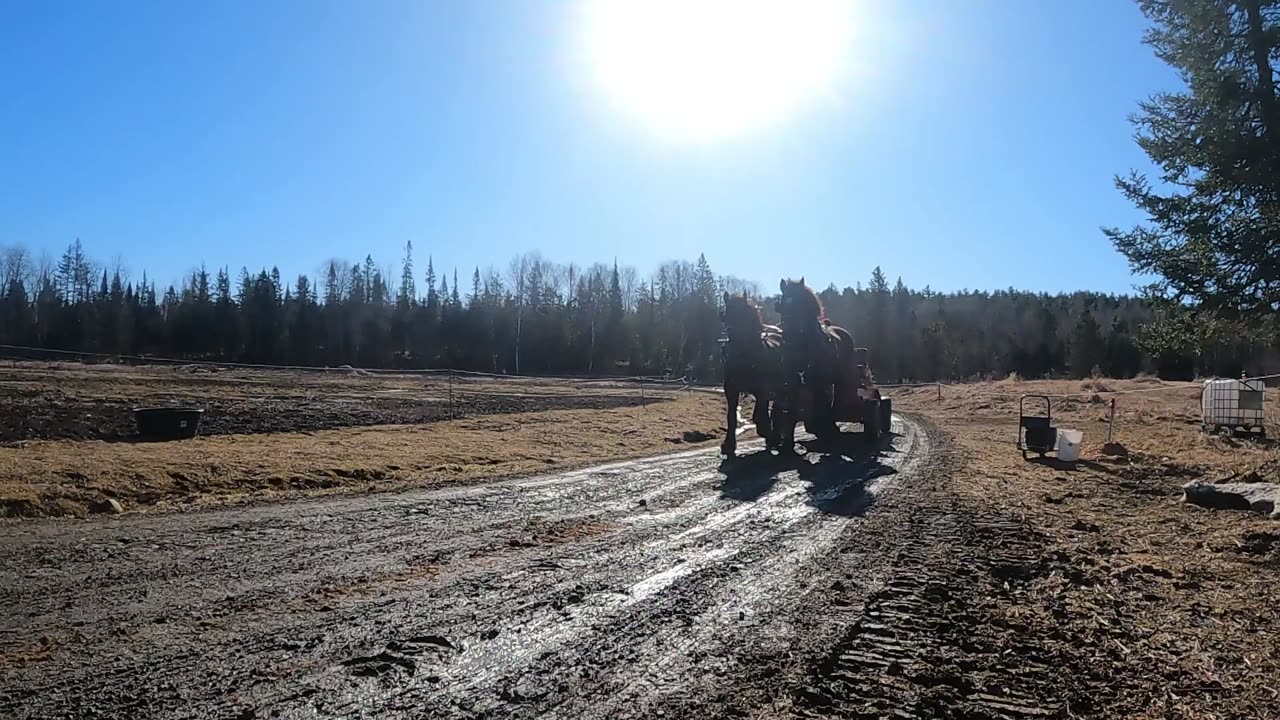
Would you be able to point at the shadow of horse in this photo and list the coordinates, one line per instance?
(747, 477)
(835, 483)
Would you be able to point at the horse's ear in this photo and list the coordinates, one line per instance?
(801, 279)
(782, 285)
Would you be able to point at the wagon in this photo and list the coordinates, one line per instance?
(858, 400)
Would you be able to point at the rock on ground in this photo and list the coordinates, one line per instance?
(1260, 497)
(108, 506)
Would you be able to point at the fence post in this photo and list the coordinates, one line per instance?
(1111, 421)
(450, 393)
(939, 391)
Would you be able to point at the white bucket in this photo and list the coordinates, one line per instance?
(1069, 444)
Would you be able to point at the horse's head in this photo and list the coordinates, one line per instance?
(798, 303)
(740, 314)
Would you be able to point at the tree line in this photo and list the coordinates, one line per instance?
(541, 317)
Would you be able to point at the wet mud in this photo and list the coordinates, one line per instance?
(680, 586)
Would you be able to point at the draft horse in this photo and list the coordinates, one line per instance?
(752, 357)
(815, 354)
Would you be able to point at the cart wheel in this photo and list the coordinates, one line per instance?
(871, 421)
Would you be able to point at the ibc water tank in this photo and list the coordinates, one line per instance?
(1232, 403)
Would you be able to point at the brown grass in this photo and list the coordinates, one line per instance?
(1175, 603)
(185, 383)
(52, 478)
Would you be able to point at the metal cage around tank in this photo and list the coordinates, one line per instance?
(1234, 406)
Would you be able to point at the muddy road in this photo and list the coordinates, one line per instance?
(675, 586)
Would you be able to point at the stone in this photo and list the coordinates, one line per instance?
(106, 506)
(1259, 497)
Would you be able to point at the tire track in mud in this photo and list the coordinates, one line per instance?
(913, 653)
(602, 592)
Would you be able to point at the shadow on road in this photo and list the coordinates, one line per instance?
(834, 473)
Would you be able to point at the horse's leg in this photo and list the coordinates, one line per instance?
(788, 444)
(730, 444)
(763, 420)
(760, 416)
(777, 413)
(785, 408)
(824, 404)
(824, 412)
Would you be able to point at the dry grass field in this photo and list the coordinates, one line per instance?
(1172, 607)
(68, 401)
(271, 434)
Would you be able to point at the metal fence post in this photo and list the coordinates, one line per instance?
(1111, 421)
(939, 391)
(451, 416)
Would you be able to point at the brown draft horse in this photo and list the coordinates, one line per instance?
(814, 353)
(752, 358)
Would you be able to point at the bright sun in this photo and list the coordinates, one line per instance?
(705, 70)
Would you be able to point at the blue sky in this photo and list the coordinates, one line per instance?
(975, 147)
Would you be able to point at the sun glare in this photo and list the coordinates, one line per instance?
(705, 70)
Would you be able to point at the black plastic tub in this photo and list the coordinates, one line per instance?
(168, 423)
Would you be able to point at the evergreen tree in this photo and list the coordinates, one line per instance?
(408, 293)
(332, 286)
(357, 294)
(202, 285)
(1214, 232)
(117, 289)
(226, 318)
(73, 274)
(16, 317)
(433, 299)
(1088, 350)
(371, 294)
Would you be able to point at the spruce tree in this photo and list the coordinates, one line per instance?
(1213, 231)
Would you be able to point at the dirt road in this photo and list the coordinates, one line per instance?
(673, 586)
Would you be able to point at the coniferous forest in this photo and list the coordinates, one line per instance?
(537, 317)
